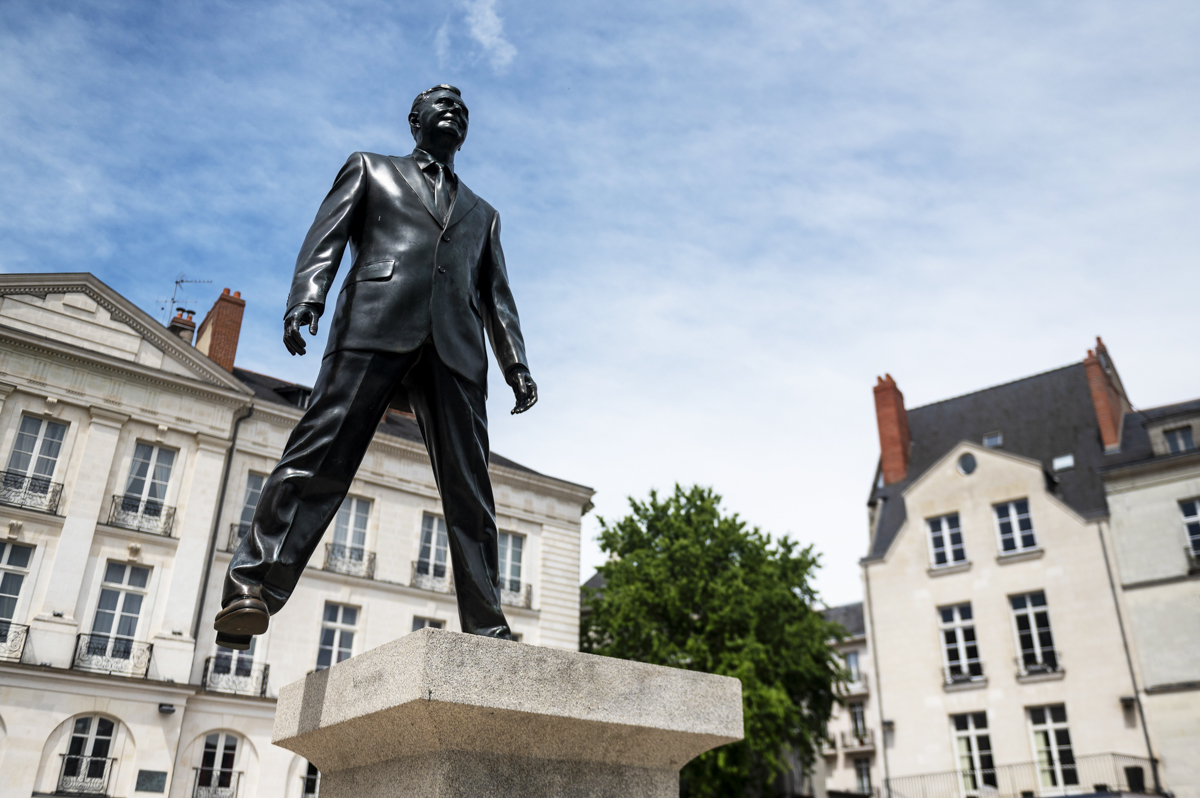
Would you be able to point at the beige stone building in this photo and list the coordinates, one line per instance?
(849, 756)
(999, 634)
(132, 461)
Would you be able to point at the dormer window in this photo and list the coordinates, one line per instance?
(296, 395)
(1179, 440)
(1063, 462)
(993, 440)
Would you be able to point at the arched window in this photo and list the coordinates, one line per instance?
(312, 782)
(217, 776)
(87, 764)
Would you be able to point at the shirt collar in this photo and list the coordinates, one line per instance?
(425, 160)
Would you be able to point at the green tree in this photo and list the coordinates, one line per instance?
(689, 587)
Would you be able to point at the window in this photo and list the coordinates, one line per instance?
(35, 452)
(511, 547)
(350, 527)
(254, 486)
(149, 473)
(945, 540)
(430, 623)
(1063, 462)
(1179, 440)
(959, 645)
(858, 719)
(851, 658)
(14, 566)
(217, 765)
(85, 768)
(1052, 741)
(1034, 639)
(993, 439)
(862, 776)
(232, 662)
(120, 605)
(312, 780)
(1015, 526)
(434, 548)
(337, 634)
(973, 747)
(1191, 524)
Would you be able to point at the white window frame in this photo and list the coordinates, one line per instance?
(250, 499)
(996, 440)
(350, 527)
(508, 544)
(1013, 519)
(958, 632)
(1046, 742)
(125, 590)
(223, 765)
(39, 452)
(940, 531)
(857, 712)
(340, 627)
(1191, 525)
(421, 622)
(976, 766)
(1030, 611)
(850, 658)
(1173, 438)
(147, 504)
(19, 575)
(91, 780)
(433, 552)
(862, 775)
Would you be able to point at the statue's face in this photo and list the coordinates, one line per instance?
(443, 114)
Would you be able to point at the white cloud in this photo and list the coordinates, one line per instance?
(486, 28)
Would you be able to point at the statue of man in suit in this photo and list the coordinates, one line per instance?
(426, 282)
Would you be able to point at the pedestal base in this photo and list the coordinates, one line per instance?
(445, 714)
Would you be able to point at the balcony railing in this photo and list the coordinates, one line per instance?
(142, 515)
(352, 560)
(35, 493)
(84, 775)
(860, 740)
(226, 674)
(112, 654)
(1107, 773)
(432, 576)
(955, 675)
(215, 783)
(856, 687)
(12, 640)
(1049, 664)
(521, 597)
(237, 531)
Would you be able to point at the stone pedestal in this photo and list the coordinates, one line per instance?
(445, 714)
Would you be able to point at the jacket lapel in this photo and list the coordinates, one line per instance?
(411, 173)
(464, 201)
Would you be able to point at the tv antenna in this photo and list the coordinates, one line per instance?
(166, 305)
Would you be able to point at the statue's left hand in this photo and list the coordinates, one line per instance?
(524, 388)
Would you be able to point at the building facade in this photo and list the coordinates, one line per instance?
(133, 463)
(1001, 640)
(849, 759)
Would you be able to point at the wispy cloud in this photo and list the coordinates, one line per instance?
(487, 29)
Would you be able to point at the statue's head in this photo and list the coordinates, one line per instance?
(439, 113)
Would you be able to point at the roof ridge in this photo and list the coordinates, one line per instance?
(998, 385)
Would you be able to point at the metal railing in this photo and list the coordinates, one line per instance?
(35, 493)
(352, 560)
(112, 654)
(858, 740)
(12, 641)
(215, 783)
(1084, 774)
(84, 775)
(432, 576)
(237, 531)
(856, 687)
(142, 515)
(1051, 662)
(227, 674)
(955, 675)
(522, 597)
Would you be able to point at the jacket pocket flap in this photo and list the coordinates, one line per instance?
(378, 270)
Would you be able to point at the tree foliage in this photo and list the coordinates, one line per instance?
(688, 587)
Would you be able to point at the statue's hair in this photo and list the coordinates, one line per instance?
(420, 98)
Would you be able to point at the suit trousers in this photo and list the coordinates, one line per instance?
(304, 492)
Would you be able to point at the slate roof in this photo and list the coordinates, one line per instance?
(1040, 417)
(401, 425)
(850, 616)
(1135, 438)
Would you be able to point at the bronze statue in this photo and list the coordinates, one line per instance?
(427, 280)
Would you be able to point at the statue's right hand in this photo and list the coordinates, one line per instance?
(296, 318)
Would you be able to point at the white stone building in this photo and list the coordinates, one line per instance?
(1001, 640)
(848, 757)
(132, 458)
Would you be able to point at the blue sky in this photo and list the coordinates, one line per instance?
(722, 221)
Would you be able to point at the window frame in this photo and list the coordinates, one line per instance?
(1191, 525)
(427, 623)
(1014, 521)
(982, 770)
(1173, 438)
(948, 548)
(226, 776)
(123, 589)
(1056, 769)
(21, 572)
(39, 442)
(505, 564)
(353, 506)
(1041, 666)
(435, 527)
(862, 774)
(144, 502)
(339, 627)
(959, 627)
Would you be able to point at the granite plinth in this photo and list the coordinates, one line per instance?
(446, 714)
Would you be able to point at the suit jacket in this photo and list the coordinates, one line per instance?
(412, 275)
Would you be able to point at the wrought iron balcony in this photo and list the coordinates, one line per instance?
(215, 783)
(12, 640)
(1030, 668)
(142, 515)
(432, 576)
(957, 676)
(112, 654)
(237, 531)
(829, 746)
(352, 560)
(858, 740)
(84, 775)
(1097, 773)
(521, 597)
(227, 674)
(34, 493)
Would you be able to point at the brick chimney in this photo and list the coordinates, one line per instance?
(181, 326)
(1108, 395)
(893, 430)
(218, 333)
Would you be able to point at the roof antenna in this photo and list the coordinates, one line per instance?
(165, 305)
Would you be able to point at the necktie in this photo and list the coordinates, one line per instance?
(441, 192)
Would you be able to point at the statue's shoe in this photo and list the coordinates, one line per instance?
(239, 620)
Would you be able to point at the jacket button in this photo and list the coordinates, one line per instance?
(440, 269)
(445, 236)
